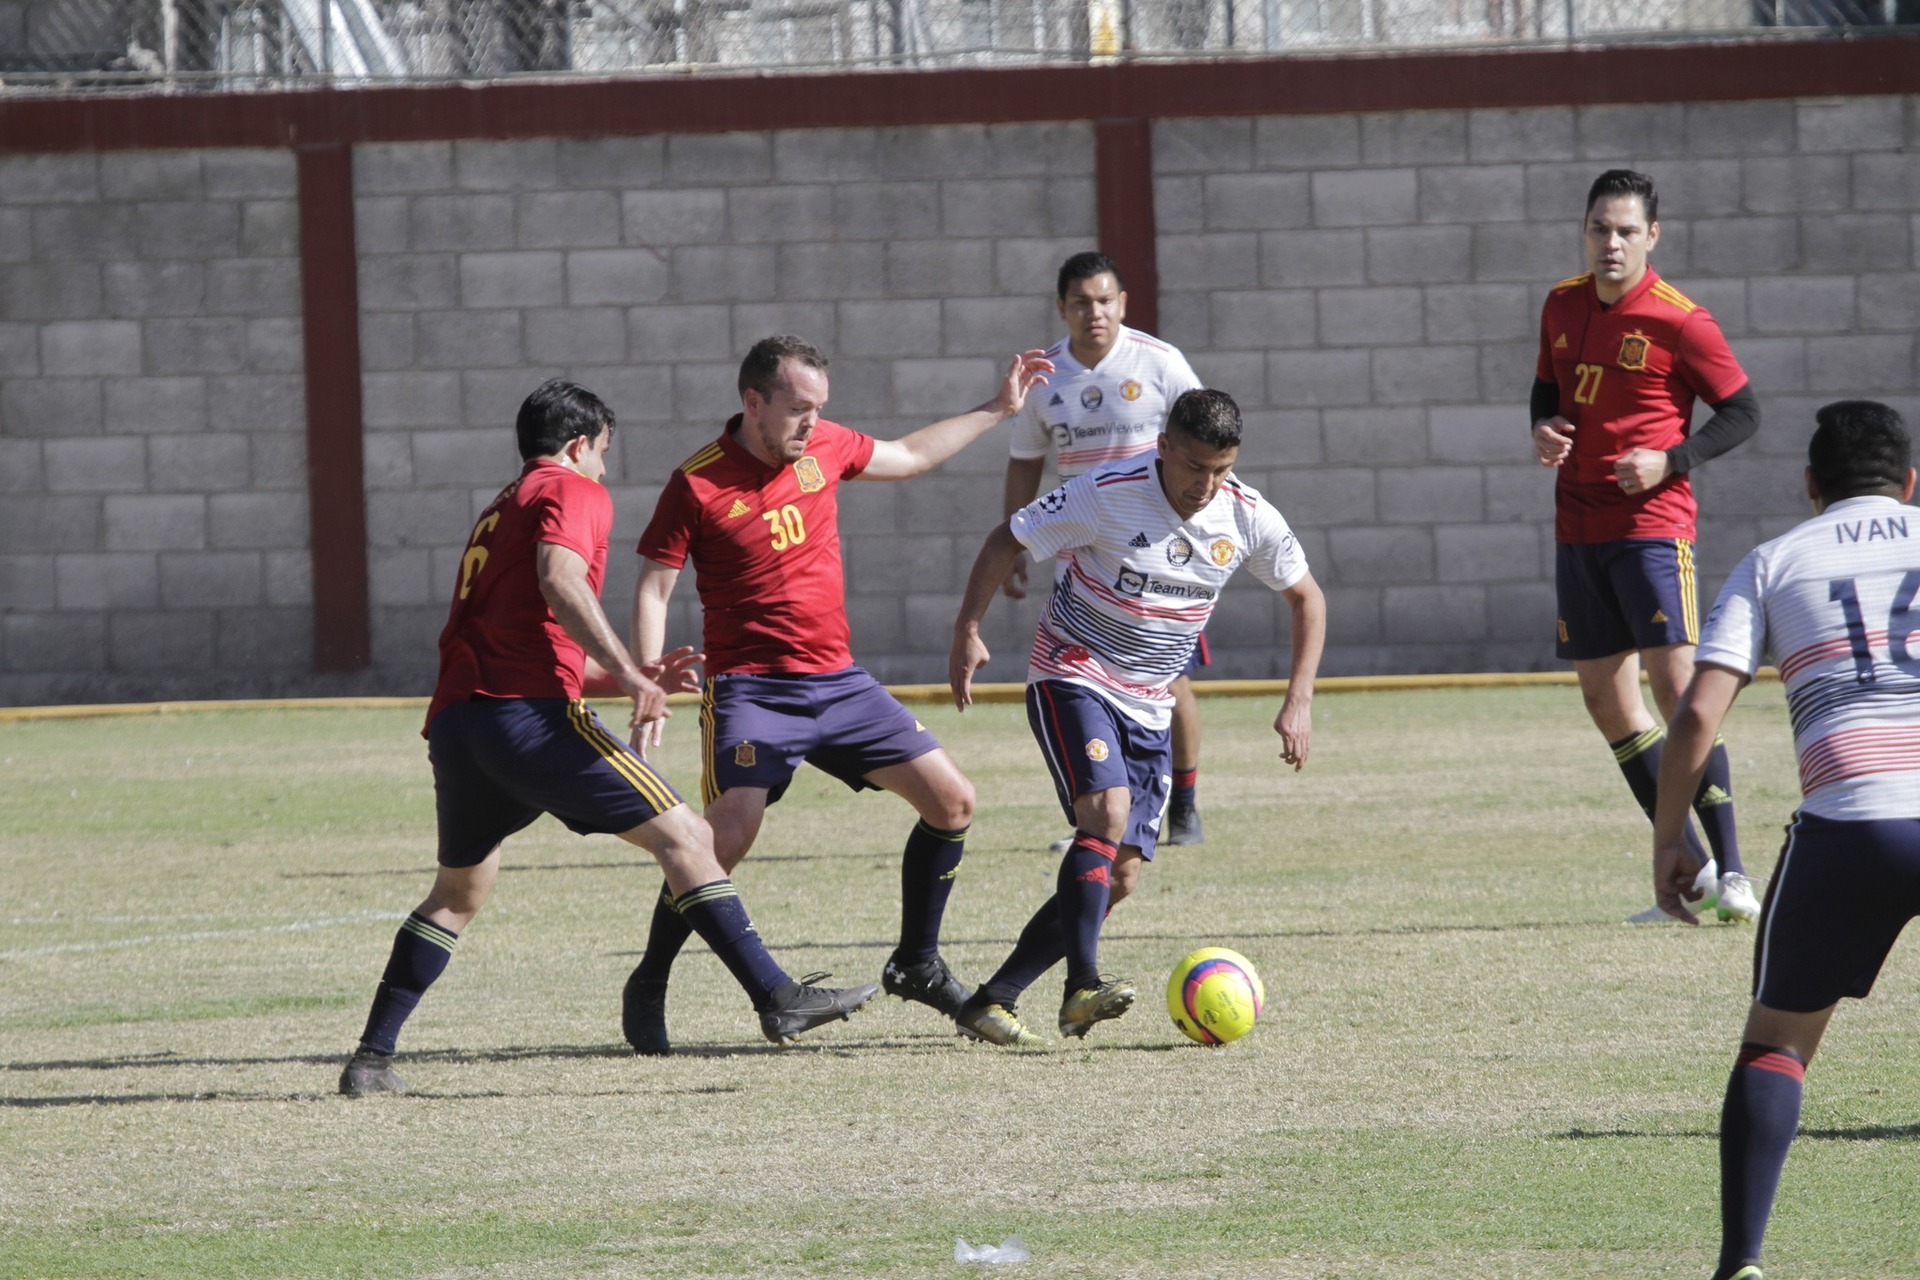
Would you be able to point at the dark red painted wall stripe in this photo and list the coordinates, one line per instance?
(337, 515)
(1123, 194)
(1780, 68)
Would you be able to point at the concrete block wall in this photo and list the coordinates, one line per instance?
(644, 268)
(153, 521)
(1369, 288)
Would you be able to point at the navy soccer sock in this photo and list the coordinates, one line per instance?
(1185, 783)
(1639, 759)
(1757, 1124)
(927, 872)
(1713, 805)
(1083, 888)
(665, 937)
(715, 912)
(1039, 948)
(420, 953)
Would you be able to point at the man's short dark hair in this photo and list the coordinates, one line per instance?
(760, 371)
(1626, 182)
(1085, 266)
(555, 413)
(1211, 417)
(1861, 447)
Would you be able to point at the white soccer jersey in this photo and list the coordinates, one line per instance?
(1832, 602)
(1139, 582)
(1112, 411)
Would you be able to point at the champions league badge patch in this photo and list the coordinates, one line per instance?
(1221, 552)
(807, 472)
(1090, 399)
(1054, 501)
(1097, 750)
(743, 756)
(1633, 351)
(1179, 551)
(1129, 390)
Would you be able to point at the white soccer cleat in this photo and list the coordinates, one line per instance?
(1737, 900)
(1707, 885)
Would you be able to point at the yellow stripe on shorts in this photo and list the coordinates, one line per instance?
(1689, 591)
(709, 779)
(616, 753)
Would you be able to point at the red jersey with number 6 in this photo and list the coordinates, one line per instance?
(1629, 375)
(501, 639)
(765, 546)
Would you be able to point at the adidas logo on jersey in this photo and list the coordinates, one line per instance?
(1139, 540)
(738, 509)
(1560, 343)
(1056, 399)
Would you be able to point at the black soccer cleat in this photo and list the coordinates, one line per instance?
(1183, 825)
(643, 1016)
(799, 1007)
(927, 982)
(370, 1071)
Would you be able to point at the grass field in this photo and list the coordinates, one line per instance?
(1469, 1067)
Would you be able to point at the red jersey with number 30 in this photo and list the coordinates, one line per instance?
(765, 545)
(501, 639)
(1628, 375)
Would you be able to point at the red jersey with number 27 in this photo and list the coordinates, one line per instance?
(501, 639)
(765, 546)
(1628, 375)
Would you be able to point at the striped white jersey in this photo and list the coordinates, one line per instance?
(1139, 582)
(1832, 602)
(1114, 410)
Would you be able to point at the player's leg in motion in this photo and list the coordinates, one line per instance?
(1183, 814)
(734, 817)
(943, 797)
(1758, 1119)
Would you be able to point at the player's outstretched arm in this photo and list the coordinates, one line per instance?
(927, 448)
(650, 596)
(969, 651)
(563, 582)
(1691, 730)
(1294, 724)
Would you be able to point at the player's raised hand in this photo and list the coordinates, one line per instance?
(1638, 470)
(1294, 724)
(1675, 867)
(1552, 440)
(968, 656)
(1028, 370)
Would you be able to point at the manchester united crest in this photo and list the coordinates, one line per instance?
(807, 472)
(1633, 350)
(743, 756)
(1097, 750)
(1221, 552)
(1129, 390)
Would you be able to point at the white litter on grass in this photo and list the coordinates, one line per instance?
(1008, 1250)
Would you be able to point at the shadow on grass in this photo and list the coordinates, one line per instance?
(1858, 1133)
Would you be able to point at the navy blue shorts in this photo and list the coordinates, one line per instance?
(756, 729)
(1637, 593)
(1840, 897)
(1091, 745)
(499, 763)
(1200, 657)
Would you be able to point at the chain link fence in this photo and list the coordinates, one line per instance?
(240, 44)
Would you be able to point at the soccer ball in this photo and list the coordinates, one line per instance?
(1215, 995)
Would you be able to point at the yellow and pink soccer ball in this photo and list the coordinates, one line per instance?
(1215, 995)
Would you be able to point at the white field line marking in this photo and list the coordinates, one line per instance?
(116, 944)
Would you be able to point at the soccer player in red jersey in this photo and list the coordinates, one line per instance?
(509, 737)
(756, 512)
(1623, 357)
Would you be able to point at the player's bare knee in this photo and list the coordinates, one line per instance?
(954, 808)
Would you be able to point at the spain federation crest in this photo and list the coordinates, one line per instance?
(743, 756)
(1633, 350)
(807, 472)
(1221, 552)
